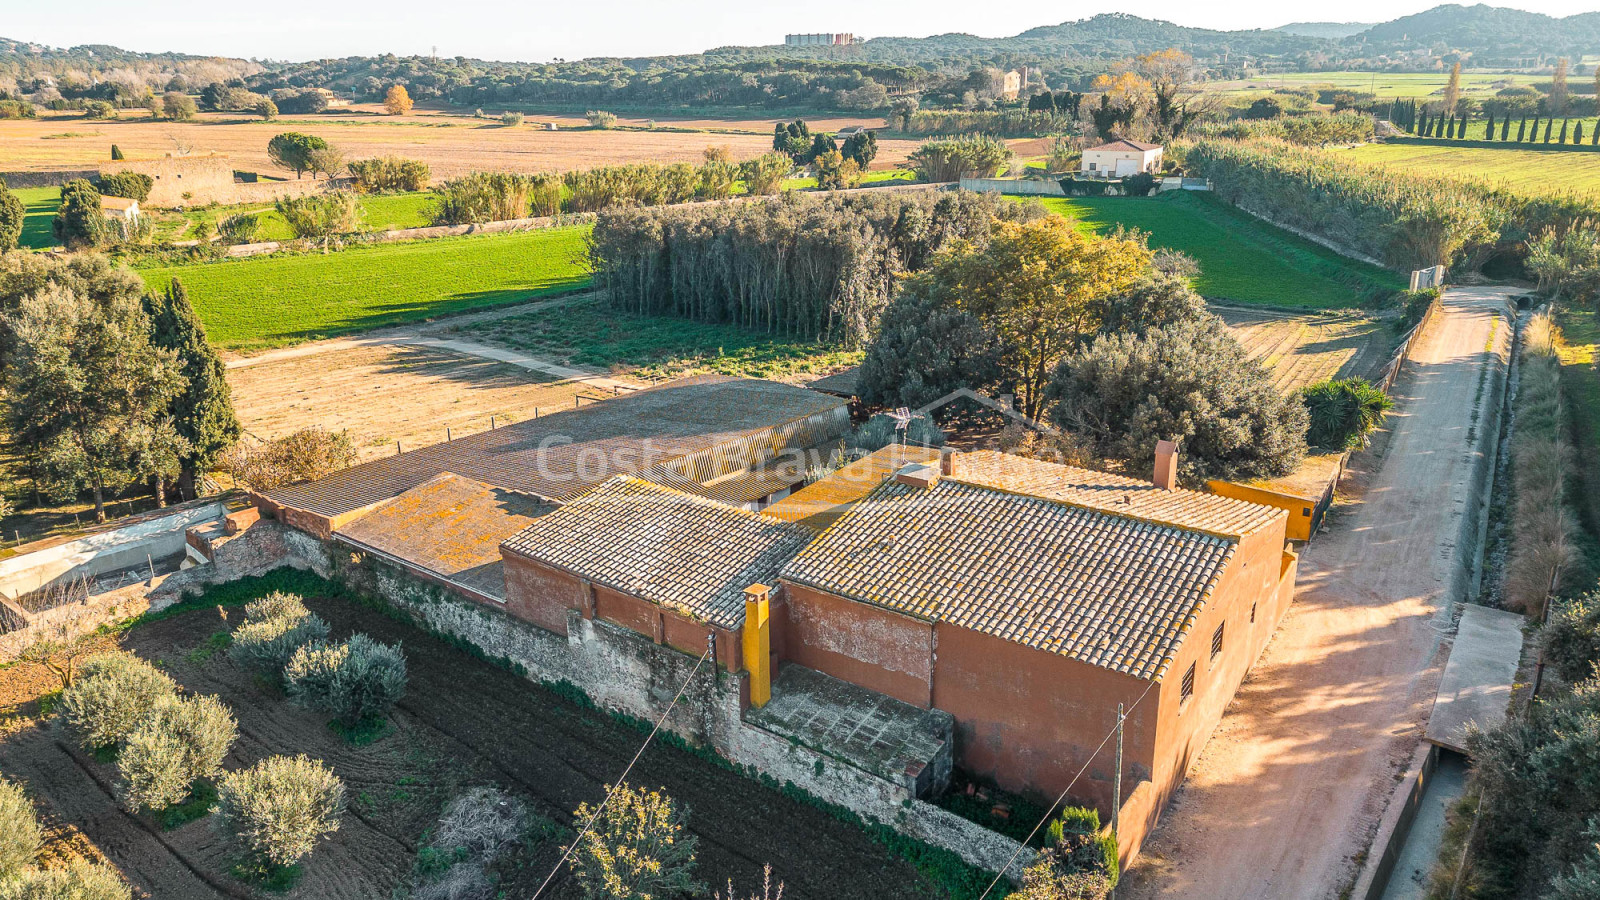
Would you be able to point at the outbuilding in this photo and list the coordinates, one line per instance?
(1121, 158)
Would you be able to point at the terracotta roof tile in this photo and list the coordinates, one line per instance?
(820, 504)
(669, 547)
(1110, 590)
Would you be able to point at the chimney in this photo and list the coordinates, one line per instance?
(947, 462)
(919, 476)
(1166, 474)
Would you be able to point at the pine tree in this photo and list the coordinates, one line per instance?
(202, 412)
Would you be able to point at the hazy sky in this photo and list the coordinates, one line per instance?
(548, 29)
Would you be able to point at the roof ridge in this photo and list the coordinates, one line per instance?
(1090, 507)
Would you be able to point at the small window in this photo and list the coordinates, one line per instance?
(1252, 614)
(1186, 689)
(1305, 511)
(1091, 167)
(1216, 640)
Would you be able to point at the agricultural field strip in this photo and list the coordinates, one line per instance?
(1514, 167)
(1304, 349)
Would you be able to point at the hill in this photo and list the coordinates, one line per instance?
(1332, 30)
(1492, 34)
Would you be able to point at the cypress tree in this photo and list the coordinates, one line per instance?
(1563, 139)
(1577, 134)
(116, 152)
(1548, 125)
(1522, 129)
(202, 412)
(1422, 127)
(1505, 127)
(1594, 139)
(1488, 127)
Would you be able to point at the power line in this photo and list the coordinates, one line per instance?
(1052, 810)
(624, 777)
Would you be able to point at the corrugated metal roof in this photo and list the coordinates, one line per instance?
(1181, 508)
(561, 455)
(682, 551)
(1109, 590)
(449, 526)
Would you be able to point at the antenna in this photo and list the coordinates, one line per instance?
(902, 422)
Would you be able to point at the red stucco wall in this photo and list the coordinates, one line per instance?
(875, 648)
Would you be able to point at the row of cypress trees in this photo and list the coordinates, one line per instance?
(1454, 127)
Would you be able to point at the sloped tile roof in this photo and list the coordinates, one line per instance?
(818, 505)
(682, 551)
(1180, 508)
(561, 455)
(449, 526)
(1109, 590)
(1125, 145)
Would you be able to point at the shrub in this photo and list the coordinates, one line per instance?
(476, 829)
(356, 681)
(12, 215)
(116, 153)
(881, 430)
(835, 172)
(767, 892)
(387, 174)
(1189, 381)
(599, 118)
(17, 109)
(112, 697)
(1344, 412)
(20, 833)
(926, 348)
(266, 646)
(266, 109)
(243, 228)
(177, 106)
(78, 880)
(305, 455)
(510, 119)
(765, 174)
(1572, 638)
(953, 158)
(99, 109)
(279, 808)
(634, 184)
(184, 741)
(276, 605)
(482, 197)
(80, 220)
(1139, 185)
(1541, 458)
(321, 217)
(132, 185)
(637, 849)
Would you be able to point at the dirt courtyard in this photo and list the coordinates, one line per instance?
(383, 394)
(450, 144)
(463, 722)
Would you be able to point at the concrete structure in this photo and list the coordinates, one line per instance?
(839, 39)
(1119, 159)
(1475, 689)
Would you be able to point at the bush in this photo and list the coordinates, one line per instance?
(880, 431)
(243, 228)
(276, 605)
(12, 215)
(765, 174)
(266, 646)
(80, 220)
(266, 109)
(388, 174)
(184, 741)
(483, 197)
(17, 109)
(1189, 381)
(477, 828)
(1139, 185)
(510, 119)
(112, 697)
(925, 349)
(305, 455)
(99, 109)
(639, 848)
(20, 833)
(177, 106)
(279, 808)
(356, 682)
(634, 184)
(1572, 638)
(951, 159)
(1344, 412)
(78, 880)
(132, 185)
(599, 118)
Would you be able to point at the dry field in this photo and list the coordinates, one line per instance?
(450, 144)
(1305, 349)
(388, 393)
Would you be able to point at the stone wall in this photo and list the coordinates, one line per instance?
(624, 672)
(181, 180)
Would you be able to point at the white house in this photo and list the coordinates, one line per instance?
(1119, 159)
(120, 208)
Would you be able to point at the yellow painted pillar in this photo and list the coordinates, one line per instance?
(758, 644)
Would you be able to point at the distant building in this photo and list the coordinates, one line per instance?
(849, 131)
(121, 208)
(1120, 159)
(818, 40)
(1011, 84)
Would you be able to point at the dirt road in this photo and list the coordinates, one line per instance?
(1285, 798)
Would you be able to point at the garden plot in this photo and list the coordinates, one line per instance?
(1304, 349)
(384, 394)
(463, 722)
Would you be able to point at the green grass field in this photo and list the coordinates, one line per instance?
(380, 212)
(271, 301)
(1242, 259)
(1580, 387)
(1385, 84)
(1522, 170)
(1475, 130)
(656, 347)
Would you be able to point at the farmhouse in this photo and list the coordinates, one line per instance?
(1009, 604)
(1121, 158)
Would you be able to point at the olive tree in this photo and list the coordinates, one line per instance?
(183, 741)
(278, 809)
(112, 697)
(20, 833)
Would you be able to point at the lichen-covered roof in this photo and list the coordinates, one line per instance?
(1180, 508)
(449, 526)
(666, 546)
(561, 455)
(1111, 590)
